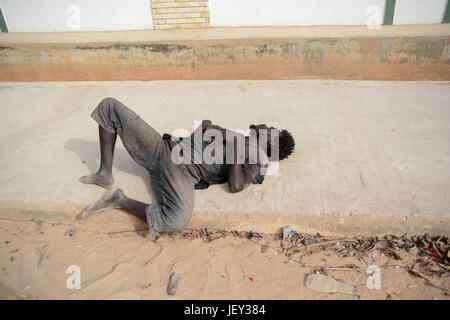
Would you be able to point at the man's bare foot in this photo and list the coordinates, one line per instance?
(110, 200)
(104, 181)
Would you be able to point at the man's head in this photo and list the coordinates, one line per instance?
(285, 143)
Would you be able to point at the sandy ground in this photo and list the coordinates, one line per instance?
(34, 258)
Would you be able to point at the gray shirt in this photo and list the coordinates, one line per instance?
(215, 172)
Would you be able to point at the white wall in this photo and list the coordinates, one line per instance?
(419, 11)
(99, 15)
(291, 12)
(53, 15)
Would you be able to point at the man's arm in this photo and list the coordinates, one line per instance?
(205, 125)
(238, 179)
(202, 130)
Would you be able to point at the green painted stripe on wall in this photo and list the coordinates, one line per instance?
(3, 26)
(389, 12)
(447, 14)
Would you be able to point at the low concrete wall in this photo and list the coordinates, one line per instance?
(380, 56)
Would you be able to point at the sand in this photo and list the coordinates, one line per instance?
(34, 259)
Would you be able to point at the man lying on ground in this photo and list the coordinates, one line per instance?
(174, 181)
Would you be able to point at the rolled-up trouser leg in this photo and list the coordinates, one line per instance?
(174, 188)
(142, 142)
(162, 218)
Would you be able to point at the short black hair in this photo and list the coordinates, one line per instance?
(286, 145)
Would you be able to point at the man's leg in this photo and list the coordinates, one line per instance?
(160, 218)
(141, 140)
(116, 199)
(174, 184)
(104, 176)
(172, 211)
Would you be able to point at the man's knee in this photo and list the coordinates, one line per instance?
(109, 102)
(178, 222)
(106, 106)
(162, 218)
(112, 107)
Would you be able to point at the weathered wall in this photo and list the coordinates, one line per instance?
(377, 58)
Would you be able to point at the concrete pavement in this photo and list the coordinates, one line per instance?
(371, 157)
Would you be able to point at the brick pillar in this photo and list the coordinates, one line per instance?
(180, 14)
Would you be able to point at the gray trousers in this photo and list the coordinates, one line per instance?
(173, 183)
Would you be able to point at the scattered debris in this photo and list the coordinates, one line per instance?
(148, 285)
(70, 232)
(426, 267)
(413, 250)
(347, 267)
(208, 236)
(252, 234)
(42, 254)
(391, 254)
(264, 247)
(286, 232)
(324, 283)
(174, 281)
(305, 245)
(214, 236)
(434, 252)
(436, 248)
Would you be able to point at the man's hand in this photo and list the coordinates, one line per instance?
(206, 124)
(263, 160)
(210, 134)
(202, 130)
